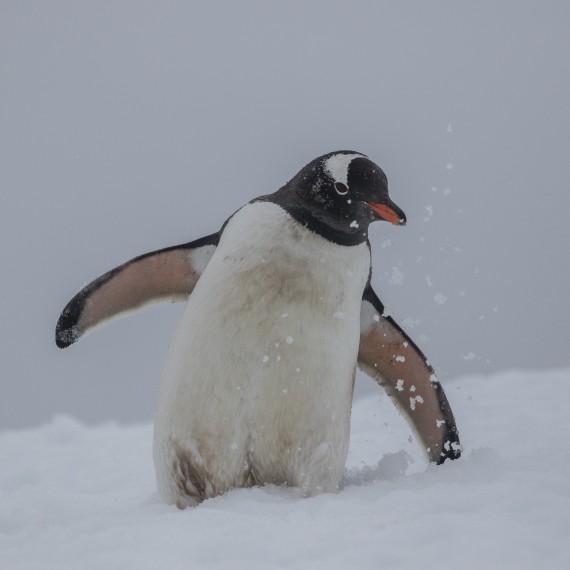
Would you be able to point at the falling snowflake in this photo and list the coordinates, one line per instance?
(440, 298)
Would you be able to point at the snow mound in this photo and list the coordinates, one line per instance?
(73, 496)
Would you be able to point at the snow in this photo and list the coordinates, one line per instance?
(440, 298)
(73, 496)
(397, 276)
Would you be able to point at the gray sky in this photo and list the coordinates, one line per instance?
(130, 126)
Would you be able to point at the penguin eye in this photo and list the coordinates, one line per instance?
(341, 188)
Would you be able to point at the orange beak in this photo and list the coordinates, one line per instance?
(397, 218)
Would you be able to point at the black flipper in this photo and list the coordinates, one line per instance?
(388, 355)
(168, 274)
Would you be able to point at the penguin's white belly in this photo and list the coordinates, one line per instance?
(257, 384)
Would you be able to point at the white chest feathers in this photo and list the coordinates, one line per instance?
(257, 384)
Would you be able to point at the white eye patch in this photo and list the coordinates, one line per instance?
(337, 166)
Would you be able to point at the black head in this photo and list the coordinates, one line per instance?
(338, 195)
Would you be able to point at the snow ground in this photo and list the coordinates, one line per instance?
(73, 496)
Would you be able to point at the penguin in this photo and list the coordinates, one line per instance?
(258, 379)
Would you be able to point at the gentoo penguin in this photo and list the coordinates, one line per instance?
(258, 380)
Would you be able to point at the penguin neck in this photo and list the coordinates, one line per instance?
(334, 235)
(309, 221)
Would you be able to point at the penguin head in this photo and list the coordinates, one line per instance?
(340, 194)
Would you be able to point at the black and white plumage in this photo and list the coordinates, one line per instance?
(258, 380)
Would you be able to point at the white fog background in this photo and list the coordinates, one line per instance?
(130, 126)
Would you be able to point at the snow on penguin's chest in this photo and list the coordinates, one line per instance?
(259, 374)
